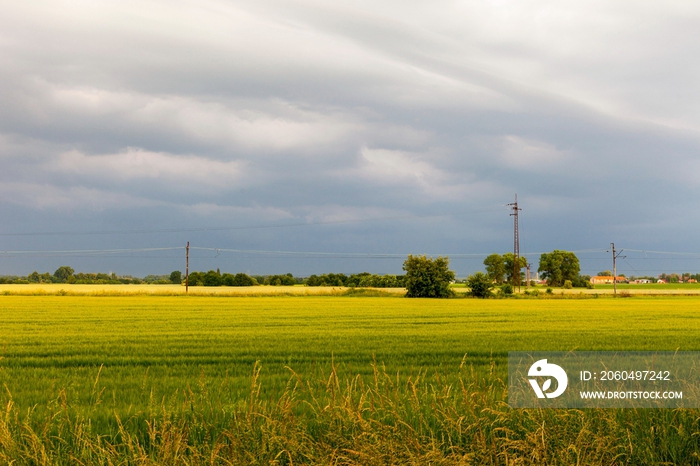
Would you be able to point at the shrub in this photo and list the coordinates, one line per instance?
(480, 285)
(507, 289)
(568, 285)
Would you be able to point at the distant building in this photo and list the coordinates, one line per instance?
(607, 280)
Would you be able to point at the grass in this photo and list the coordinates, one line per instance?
(320, 380)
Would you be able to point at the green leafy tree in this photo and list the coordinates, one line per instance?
(558, 266)
(605, 273)
(495, 268)
(428, 277)
(196, 279)
(213, 278)
(242, 279)
(480, 285)
(176, 277)
(508, 263)
(63, 273)
(313, 280)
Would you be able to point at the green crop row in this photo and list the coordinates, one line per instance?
(123, 366)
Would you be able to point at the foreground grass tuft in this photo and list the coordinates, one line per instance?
(350, 421)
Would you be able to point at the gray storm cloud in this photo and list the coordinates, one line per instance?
(183, 115)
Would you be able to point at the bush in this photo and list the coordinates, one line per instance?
(568, 285)
(480, 285)
(549, 291)
(581, 281)
(507, 289)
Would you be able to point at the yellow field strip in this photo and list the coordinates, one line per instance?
(62, 288)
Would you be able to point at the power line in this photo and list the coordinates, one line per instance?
(87, 252)
(664, 252)
(249, 227)
(312, 254)
(84, 252)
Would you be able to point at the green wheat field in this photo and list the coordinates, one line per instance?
(321, 380)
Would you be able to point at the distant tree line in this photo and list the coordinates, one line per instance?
(216, 278)
(365, 279)
(65, 274)
(668, 278)
(360, 280)
(676, 278)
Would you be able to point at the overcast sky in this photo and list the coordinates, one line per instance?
(387, 127)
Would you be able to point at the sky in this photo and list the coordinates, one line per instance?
(339, 136)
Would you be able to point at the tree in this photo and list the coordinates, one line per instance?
(240, 279)
(558, 266)
(495, 268)
(605, 273)
(63, 273)
(313, 280)
(176, 277)
(480, 285)
(428, 277)
(508, 263)
(196, 279)
(212, 278)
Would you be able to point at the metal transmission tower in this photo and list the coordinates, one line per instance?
(527, 275)
(516, 242)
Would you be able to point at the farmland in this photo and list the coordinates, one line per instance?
(320, 376)
(300, 290)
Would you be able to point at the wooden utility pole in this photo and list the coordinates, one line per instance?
(614, 258)
(187, 268)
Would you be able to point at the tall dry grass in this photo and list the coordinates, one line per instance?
(334, 420)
